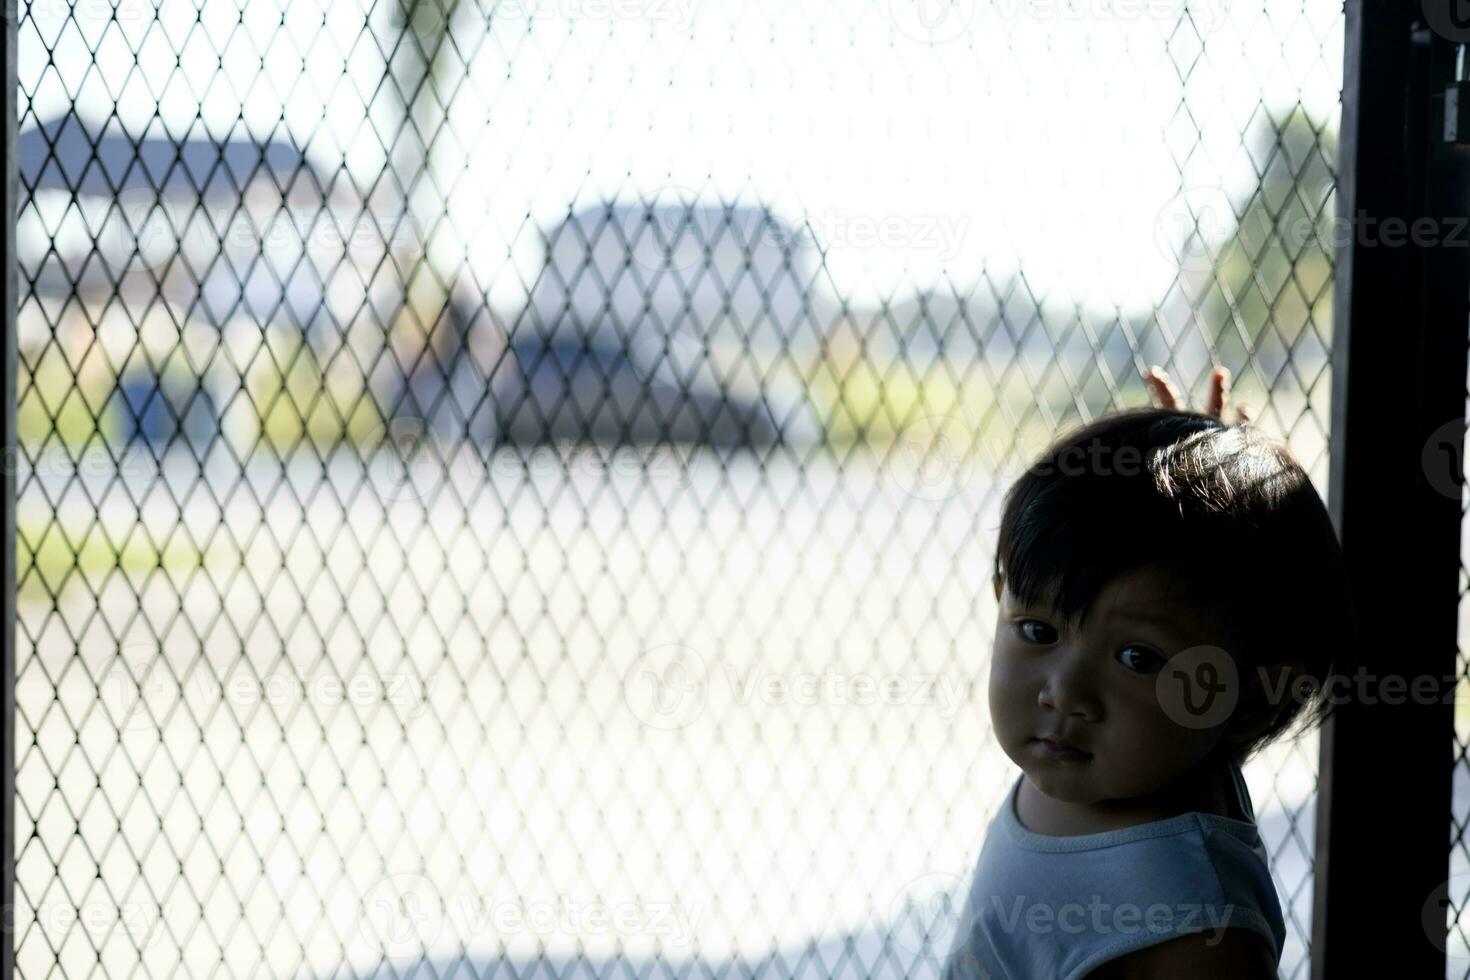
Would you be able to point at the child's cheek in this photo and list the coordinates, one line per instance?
(1155, 741)
(1006, 696)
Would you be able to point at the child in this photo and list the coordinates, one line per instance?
(1167, 583)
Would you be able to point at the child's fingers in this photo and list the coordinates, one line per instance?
(1218, 404)
(1162, 387)
(1219, 399)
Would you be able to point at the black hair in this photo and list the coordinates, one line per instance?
(1230, 514)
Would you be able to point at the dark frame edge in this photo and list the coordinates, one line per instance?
(1400, 329)
(10, 448)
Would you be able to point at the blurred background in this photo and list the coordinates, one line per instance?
(513, 484)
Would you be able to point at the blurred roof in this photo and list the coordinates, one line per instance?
(706, 222)
(70, 152)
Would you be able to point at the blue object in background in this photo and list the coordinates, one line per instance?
(155, 411)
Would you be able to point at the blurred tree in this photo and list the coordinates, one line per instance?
(1269, 277)
(418, 57)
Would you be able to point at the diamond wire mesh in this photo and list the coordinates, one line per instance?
(511, 484)
(1457, 886)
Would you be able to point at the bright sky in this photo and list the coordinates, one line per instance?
(922, 138)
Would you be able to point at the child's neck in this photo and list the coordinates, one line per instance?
(1207, 790)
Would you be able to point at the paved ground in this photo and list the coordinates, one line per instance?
(737, 713)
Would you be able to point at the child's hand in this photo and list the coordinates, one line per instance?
(1165, 394)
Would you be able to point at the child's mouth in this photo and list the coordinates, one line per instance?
(1060, 752)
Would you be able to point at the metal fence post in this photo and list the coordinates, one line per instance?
(1399, 360)
(10, 452)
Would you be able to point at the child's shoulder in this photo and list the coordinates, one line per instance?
(1229, 954)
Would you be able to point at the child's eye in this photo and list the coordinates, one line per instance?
(1148, 661)
(1030, 637)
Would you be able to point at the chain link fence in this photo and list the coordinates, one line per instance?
(513, 484)
(1453, 900)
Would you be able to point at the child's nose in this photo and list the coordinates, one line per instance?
(1071, 705)
(1070, 692)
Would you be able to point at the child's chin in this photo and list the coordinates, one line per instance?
(1062, 785)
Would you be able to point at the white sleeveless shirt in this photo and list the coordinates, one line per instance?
(1056, 908)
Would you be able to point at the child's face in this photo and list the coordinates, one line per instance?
(1097, 689)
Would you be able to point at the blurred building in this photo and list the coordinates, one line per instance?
(664, 322)
(166, 241)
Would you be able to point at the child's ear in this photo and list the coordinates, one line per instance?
(997, 583)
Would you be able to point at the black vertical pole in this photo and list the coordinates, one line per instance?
(1401, 321)
(9, 453)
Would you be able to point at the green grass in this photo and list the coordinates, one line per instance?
(52, 558)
